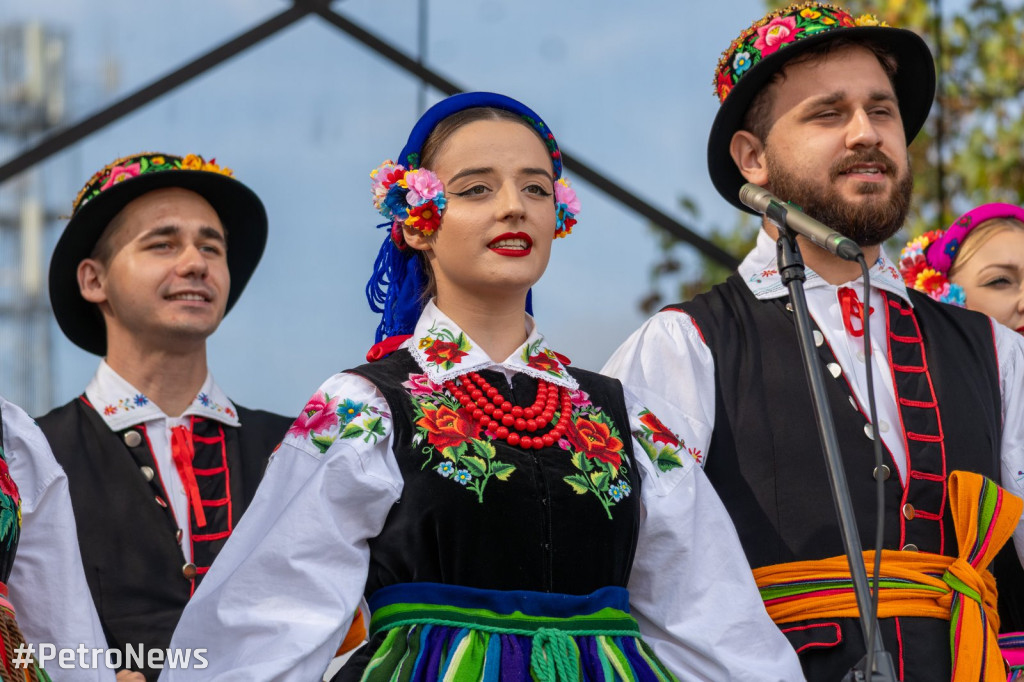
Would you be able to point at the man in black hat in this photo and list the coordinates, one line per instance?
(161, 464)
(817, 106)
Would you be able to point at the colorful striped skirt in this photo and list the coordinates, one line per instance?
(15, 666)
(1012, 647)
(447, 632)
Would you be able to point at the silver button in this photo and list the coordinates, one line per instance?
(177, 536)
(834, 369)
(189, 570)
(908, 511)
(853, 404)
(910, 547)
(883, 426)
(147, 472)
(789, 307)
(860, 355)
(883, 471)
(132, 439)
(819, 338)
(869, 432)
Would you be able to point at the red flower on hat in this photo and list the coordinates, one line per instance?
(121, 173)
(845, 20)
(723, 85)
(775, 34)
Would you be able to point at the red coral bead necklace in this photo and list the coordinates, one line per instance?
(519, 426)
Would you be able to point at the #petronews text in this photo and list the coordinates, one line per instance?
(114, 659)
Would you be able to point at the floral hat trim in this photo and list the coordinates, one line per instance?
(775, 31)
(920, 275)
(129, 167)
(415, 197)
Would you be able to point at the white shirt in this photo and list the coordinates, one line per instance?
(667, 363)
(281, 594)
(122, 406)
(47, 586)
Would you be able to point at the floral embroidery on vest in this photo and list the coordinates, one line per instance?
(597, 451)
(448, 428)
(660, 444)
(325, 420)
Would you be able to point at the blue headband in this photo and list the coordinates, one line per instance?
(396, 287)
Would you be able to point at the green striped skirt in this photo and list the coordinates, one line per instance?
(448, 632)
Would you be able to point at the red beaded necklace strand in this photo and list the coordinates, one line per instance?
(512, 423)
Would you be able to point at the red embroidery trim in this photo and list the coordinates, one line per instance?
(810, 645)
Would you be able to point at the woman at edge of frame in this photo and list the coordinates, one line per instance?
(506, 519)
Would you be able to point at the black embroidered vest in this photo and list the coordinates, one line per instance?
(127, 533)
(766, 463)
(499, 517)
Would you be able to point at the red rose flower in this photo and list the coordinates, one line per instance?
(845, 20)
(595, 440)
(660, 434)
(448, 428)
(723, 86)
(543, 362)
(443, 352)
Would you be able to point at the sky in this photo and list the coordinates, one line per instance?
(303, 117)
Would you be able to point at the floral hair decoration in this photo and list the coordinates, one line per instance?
(129, 167)
(408, 195)
(925, 261)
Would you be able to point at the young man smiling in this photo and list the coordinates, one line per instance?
(817, 107)
(160, 462)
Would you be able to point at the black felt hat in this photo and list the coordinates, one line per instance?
(764, 48)
(111, 189)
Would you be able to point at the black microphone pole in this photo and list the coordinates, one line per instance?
(791, 270)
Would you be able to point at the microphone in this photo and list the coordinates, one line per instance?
(761, 200)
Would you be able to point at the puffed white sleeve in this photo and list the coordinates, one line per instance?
(691, 589)
(47, 585)
(1010, 354)
(667, 365)
(278, 600)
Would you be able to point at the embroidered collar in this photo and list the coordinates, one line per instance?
(760, 272)
(444, 352)
(122, 406)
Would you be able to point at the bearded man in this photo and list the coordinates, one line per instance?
(818, 107)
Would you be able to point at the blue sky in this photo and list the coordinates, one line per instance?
(303, 118)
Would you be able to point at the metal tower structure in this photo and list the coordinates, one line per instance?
(32, 103)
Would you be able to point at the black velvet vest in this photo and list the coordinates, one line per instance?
(128, 535)
(508, 519)
(766, 462)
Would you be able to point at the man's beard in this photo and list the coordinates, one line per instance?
(867, 223)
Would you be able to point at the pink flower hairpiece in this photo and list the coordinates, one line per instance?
(408, 197)
(567, 207)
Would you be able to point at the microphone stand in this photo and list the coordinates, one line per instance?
(791, 270)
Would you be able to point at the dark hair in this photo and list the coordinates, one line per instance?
(758, 119)
(435, 144)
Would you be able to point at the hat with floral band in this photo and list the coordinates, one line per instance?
(409, 195)
(925, 261)
(762, 50)
(112, 188)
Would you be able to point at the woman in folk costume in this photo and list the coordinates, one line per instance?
(507, 517)
(977, 263)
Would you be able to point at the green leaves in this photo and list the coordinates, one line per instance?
(579, 483)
